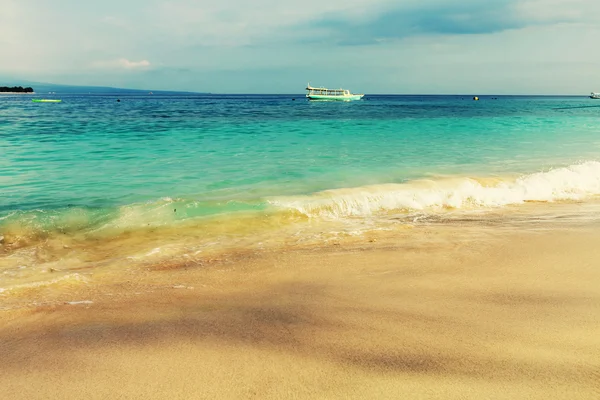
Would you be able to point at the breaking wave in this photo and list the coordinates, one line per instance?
(572, 183)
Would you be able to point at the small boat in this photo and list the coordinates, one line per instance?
(595, 95)
(45, 101)
(322, 93)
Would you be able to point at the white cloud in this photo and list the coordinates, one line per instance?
(133, 64)
(121, 63)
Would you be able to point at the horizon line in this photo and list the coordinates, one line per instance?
(299, 94)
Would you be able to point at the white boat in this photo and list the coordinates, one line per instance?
(322, 93)
(595, 95)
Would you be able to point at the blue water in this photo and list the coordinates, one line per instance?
(221, 154)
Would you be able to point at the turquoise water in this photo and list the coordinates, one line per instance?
(95, 158)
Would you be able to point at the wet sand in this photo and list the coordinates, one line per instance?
(441, 312)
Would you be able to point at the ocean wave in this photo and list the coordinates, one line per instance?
(572, 183)
(24, 227)
(427, 196)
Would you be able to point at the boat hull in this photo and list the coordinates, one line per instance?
(324, 97)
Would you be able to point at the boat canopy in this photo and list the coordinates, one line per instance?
(325, 89)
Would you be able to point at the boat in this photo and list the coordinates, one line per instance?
(322, 93)
(45, 101)
(595, 95)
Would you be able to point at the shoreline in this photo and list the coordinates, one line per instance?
(34, 262)
(446, 312)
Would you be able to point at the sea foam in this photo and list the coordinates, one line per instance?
(575, 182)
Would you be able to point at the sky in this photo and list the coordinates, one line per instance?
(278, 46)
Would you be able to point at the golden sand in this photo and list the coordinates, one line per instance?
(438, 313)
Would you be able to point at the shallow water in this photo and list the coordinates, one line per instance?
(91, 184)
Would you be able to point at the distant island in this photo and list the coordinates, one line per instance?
(51, 88)
(15, 89)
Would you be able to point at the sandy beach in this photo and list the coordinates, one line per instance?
(277, 200)
(439, 312)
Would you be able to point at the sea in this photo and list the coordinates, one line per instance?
(100, 184)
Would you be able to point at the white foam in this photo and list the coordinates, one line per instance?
(73, 303)
(7, 216)
(153, 251)
(576, 182)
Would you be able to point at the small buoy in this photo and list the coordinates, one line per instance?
(475, 98)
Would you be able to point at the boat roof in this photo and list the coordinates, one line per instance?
(322, 88)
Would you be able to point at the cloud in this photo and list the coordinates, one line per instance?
(122, 63)
(572, 11)
(431, 17)
(405, 46)
(242, 23)
(133, 64)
